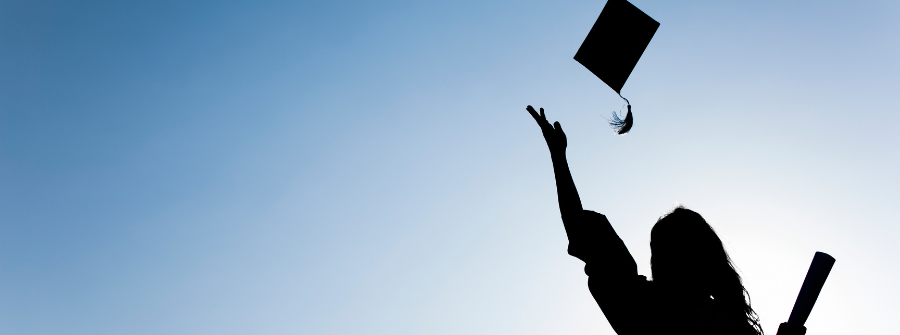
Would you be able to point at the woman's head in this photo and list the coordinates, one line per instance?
(688, 260)
(687, 252)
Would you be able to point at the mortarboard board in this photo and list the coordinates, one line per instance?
(614, 45)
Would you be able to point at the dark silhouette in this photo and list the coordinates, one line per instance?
(809, 292)
(695, 289)
(613, 47)
(616, 42)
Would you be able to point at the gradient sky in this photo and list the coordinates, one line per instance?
(369, 167)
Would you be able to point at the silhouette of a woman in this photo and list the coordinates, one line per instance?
(695, 289)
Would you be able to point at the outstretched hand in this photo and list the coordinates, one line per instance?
(554, 135)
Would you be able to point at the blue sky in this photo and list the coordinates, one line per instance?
(368, 167)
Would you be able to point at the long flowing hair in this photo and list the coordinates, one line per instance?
(687, 250)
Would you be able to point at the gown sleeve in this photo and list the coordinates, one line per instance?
(622, 294)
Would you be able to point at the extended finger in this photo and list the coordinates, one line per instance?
(533, 113)
(558, 127)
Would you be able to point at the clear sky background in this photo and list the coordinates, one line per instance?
(369, 167)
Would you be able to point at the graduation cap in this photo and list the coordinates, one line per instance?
(613, 47)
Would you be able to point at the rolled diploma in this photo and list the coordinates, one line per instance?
(812, 285)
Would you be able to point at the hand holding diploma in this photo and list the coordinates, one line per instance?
(809, 292)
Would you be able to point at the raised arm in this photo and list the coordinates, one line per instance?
(569, 202)
(613, 278)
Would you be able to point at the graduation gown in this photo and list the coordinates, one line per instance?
(632, 304)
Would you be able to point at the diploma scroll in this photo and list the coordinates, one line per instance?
(809, 292)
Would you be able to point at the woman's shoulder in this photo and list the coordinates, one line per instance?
(723, 324)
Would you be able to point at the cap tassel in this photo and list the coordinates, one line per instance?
(619, 125)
